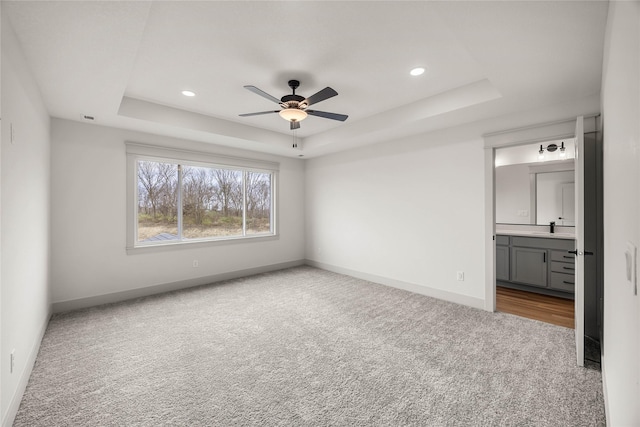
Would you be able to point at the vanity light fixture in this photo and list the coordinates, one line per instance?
(551, 148)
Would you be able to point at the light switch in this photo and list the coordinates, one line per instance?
(630, 255)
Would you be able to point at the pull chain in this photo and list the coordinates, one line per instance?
(293, 133)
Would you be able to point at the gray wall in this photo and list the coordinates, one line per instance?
(24, 189)
(408, 214)
(621, 158)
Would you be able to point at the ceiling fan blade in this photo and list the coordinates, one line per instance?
(262, 94)
(294, 125)
(325, 93)
(259, 113)
(324, 114)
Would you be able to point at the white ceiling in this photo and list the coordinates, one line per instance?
(126, 62)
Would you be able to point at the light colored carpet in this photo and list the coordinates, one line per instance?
(305, 347)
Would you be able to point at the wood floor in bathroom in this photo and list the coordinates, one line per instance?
(558, 311)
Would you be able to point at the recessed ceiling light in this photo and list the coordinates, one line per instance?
(417, 71)
(188, 93)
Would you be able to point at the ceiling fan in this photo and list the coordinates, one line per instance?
(294, 107)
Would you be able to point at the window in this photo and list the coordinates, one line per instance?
(179, 200)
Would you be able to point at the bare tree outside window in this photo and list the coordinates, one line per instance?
(213, 202)
(258, 202)
(157, 201)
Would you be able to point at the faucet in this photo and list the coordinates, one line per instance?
(552, 226)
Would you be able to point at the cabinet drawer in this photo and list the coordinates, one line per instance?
(563, 256)
(502, 240)
(563, 267)
(562, 282)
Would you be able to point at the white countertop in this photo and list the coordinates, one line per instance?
(545, 234)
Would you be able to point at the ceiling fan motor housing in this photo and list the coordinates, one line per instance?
(296, 98)
(293, 84)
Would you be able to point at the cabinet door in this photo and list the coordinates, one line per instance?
(502, 263)
(529, 266)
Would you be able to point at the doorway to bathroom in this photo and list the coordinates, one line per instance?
(548, 254)
(535, 219)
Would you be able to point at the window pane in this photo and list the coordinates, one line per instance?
(258, 202)
(211, 202)
(157, 201)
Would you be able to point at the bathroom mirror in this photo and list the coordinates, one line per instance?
(534, 192)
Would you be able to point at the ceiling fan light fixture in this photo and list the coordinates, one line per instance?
(293, 114)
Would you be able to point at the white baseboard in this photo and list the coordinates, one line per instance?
(79, 303)
(411, 287)
(23, 380)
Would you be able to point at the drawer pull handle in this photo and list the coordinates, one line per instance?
(568, 268)
(568, 283)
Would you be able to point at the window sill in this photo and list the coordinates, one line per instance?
(193, 244)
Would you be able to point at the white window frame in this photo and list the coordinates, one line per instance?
(137, 151)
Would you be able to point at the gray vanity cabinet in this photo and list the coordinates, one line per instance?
(529, 266)
(535, 264)
(502, 258)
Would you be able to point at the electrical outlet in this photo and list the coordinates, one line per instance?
(460, 276)
(195, 263)
(13, 360)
